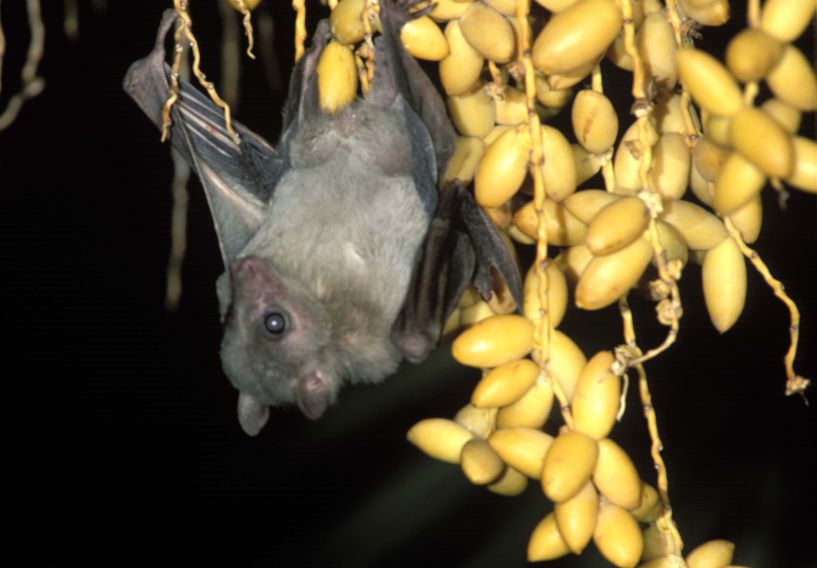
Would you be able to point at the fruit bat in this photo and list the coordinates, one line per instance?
(342, 257)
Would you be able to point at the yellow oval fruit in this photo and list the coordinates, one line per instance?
(628, 157)
(505, 384)
(587, 164)
(462, 165)
(505, 7)
(520, 237)
(559, 169)
(761, 139)
(647, 510)
(786, 19)
(250, 4)
(337, 77)
(656, 45)
(546, 543)
(423, 39)
(670, 166)
(568, 465)
(668, 114)
(748, 219)
(709, 83)
(476, 313)
(751, 54)
(448, 9)
(570, 78)
(503, 168)
(346, 21)
(510, 483)
(793, 80)
(709, 157)
(563, 229)
(585, 204)
(656, 544)
(595, 121)
(566, 362)
(718, 128)
(557, 295)
(786, 115)
(596, 398)
(712, 554)
(618, 55)
(522, 448)
(739, 181)
(463, 66)
(616, 477)
(701, 229)
(714, 13)
(495, 133)
(671, 241)
(724, 283)
(573, 262)
(556, 5)
(480, 463)
(618, 536)
(472, 112)
(511, 108)
(700, 186)
(617, 225)
(494, 341)
(577, 36)
(500, 216)
(530, 411)
(697, 3)
(488, 32)
(804, 175)
(440, 438)
(576, 517)
(551, 97)
(479, 421)
(609, 277)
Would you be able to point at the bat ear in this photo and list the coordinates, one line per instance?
(252, 414)
(313, 395)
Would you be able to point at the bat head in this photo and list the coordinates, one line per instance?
(274, 346)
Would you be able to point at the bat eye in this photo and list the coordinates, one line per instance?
(276, 322)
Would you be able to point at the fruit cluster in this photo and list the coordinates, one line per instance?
(507, 67)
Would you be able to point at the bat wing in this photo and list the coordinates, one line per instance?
(238, 179)
(462, 247)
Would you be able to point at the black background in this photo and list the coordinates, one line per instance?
(121, 441)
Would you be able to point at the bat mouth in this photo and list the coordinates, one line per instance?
(312, 394)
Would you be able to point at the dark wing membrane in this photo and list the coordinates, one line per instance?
(238, 179)
(462, 247)
(397, 71)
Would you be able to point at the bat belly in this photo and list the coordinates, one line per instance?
(350, 235)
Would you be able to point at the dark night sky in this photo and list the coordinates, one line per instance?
(122, 442)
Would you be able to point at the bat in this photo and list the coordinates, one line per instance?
(342, 256)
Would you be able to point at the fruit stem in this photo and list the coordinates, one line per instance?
(300, 27)
(247, 23)
(543, 327)
(184, 28)
(627, 356)
(794, 382)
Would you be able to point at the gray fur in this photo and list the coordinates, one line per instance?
(342, 233)
(324, 231)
